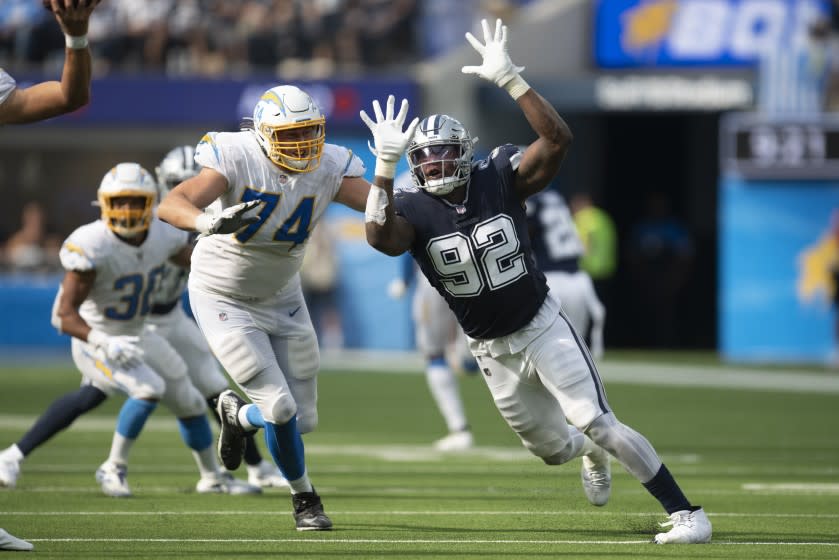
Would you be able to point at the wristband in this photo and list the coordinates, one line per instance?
(386, 169)
(72, 42)
(97, 338)
(516, 87)
(202, 223)
(376, 203)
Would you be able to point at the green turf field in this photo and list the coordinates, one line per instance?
(764, 464)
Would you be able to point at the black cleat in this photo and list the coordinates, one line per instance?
(308, 512)
(231, 439)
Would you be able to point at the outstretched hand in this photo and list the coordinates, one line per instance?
(496, 66)
(389, 139)
(230, 220)
(72, 15)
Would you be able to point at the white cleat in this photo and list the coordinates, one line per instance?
(455, 441)
(688, 527)
(596, 475)
(9, 471)
(266, 475)
(113, 478)
(10, 542)
(224, 483)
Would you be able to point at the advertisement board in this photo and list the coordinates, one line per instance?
(697, 33)
(779, 247)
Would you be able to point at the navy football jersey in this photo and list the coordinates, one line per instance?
(477, 254)
(556, 245)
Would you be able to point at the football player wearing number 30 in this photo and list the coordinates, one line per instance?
(465, 224)
(264, 190)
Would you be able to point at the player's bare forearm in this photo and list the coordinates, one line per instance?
(542, 159)
(546, 122)
(177, 210)
(386, 232)
(75, 80)
(75, 288)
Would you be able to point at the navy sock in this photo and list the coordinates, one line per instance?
(286, 446)
(61, 413)
(664, 489)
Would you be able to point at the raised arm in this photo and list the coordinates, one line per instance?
(541, 160)
(50, 99)
(387, 232)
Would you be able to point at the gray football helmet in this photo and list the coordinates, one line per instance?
(176, 166)
(440, 155)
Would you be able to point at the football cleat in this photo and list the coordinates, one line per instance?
(688, 527)
(266, 475)
(224, 483)
(10, 542)
(231, 439)
(9, 471)
(113, 479)
(308, 512)
(597, 477)
(455, 441)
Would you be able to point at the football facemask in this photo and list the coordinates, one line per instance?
(126, 197)
(290, 128)
(440, 155)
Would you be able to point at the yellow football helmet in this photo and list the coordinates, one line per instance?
(290, 128)
(128, 218)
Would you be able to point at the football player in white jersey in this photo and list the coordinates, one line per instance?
(558, 250)
(50, 99)
(264, 190)
(168, 319)
(189, 344)
(111, 268)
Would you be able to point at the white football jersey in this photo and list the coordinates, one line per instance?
(126, 275)
(259, 260)
(7, 85)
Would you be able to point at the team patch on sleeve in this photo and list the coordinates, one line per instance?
(73, 257)
(206, 152)
(354, 167)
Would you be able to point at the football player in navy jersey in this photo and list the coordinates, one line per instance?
(558, 249)
(465, 225)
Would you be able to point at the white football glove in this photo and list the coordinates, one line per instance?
(389, 139)
(396, 288)
(124, 351)
(229, 220)
(497, 66)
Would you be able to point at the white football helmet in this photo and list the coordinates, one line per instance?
(440, 154)
(127, 180)
(290, 127)
(176, 166)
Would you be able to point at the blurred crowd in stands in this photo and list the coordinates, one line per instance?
(312, 38)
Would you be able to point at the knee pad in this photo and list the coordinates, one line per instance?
(602, 430)
(183, 399)
(307, 421)
(563, 455)
(280, 410)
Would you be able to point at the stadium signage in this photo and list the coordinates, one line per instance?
(677, 33)
(754, 147)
